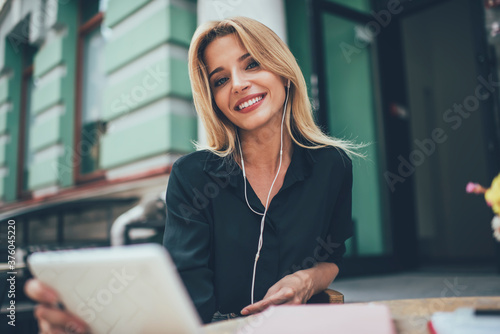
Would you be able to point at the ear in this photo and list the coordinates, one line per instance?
(285, 82)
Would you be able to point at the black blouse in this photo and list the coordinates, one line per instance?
(212, 235)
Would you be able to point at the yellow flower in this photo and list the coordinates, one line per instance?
(492, 195)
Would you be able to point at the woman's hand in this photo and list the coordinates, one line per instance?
(296, 288)
(51, 319)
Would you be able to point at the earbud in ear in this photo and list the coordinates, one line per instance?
(288, 83)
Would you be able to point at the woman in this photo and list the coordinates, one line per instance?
(260, 215)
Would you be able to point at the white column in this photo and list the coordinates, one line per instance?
(269, 12)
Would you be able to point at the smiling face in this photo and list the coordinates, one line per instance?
(248, 95)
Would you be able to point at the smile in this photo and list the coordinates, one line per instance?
(250, 102)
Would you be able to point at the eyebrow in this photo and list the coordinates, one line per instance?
(218, 69)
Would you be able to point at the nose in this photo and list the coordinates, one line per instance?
(240, 82)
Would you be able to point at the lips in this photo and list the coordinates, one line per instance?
(249, 102)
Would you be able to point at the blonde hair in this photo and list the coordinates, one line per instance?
(273, 55)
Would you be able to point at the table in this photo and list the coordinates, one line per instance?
(410, 315)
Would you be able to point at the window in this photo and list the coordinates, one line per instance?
(25, 156)
(90, 83)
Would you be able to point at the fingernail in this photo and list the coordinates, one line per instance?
(244, 311)
(81, 330)
(75, 328)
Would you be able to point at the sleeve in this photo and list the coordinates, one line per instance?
(341, 225)
(187, 239)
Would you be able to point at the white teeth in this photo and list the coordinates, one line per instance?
(249, 102)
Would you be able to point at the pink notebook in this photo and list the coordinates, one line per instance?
(318, 319)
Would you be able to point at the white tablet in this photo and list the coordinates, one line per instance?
(127, 289)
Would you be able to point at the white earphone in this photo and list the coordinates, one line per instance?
(259, 247)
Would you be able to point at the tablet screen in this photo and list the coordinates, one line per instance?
(126, 289)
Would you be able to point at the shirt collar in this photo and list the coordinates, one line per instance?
(223, 168)
(300, 166)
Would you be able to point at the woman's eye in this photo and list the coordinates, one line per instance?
(220, 82)
(252, 65)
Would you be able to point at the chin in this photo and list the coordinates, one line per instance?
(248, 127)
(254, 126)
(257, 120)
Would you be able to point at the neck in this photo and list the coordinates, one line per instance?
(261, 148)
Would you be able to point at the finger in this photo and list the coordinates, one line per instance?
(45, 328)
(40, 292)
(76, 328)
(256, 307)
(58, 318)
(273, 290)
(292, 301)
(282, 296)
(278, 298)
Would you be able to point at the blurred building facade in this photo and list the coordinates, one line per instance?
(95, 106)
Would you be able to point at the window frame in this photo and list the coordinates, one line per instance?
(86, 28)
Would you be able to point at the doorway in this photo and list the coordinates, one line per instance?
(448, 144)
(347, 107)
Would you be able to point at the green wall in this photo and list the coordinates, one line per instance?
(67, 15)
(52, 101)
(3, 122)
(120, 10)
(4, 85)
(169, 25)
(165, 77)
(58, 128)
(167, 132)
(46, 95)
(170, 130)
(48, 57)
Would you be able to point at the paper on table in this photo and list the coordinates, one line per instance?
(463, 321)
(319, 319)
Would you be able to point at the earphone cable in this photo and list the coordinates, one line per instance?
(261, 237)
